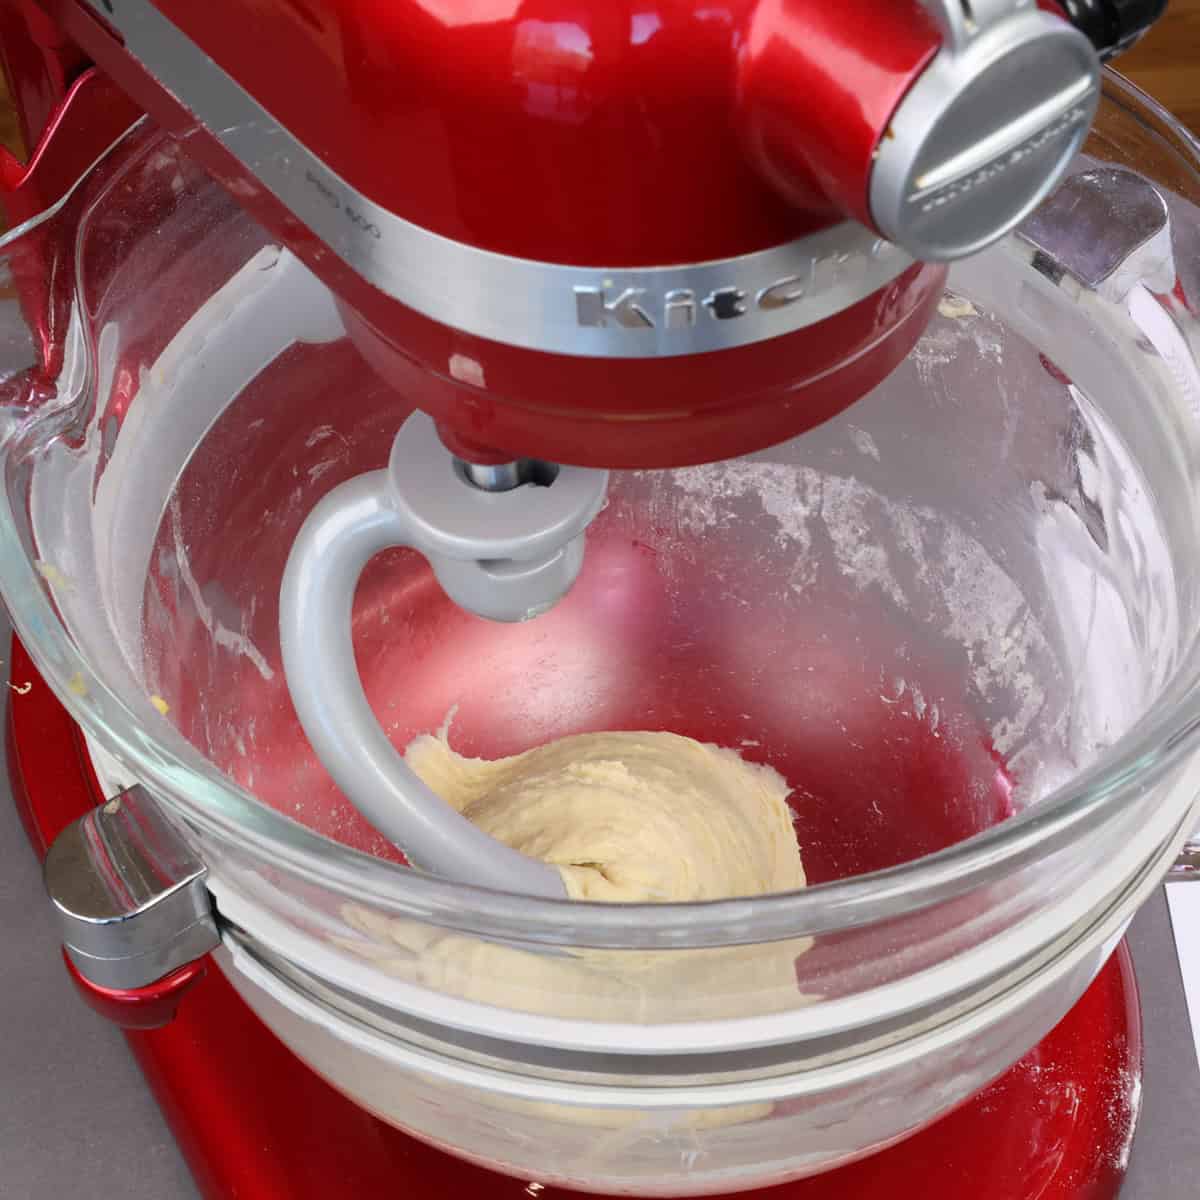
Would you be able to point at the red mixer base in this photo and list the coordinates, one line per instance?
(254, 1122)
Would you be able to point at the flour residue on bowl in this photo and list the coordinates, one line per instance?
(916, 559)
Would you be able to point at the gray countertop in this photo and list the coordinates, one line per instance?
(77, 1120)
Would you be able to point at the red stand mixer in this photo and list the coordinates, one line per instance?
(576, 237)
(611, 238)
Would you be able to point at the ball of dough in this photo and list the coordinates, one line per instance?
(629, 816)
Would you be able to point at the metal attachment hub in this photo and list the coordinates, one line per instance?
(503, 477)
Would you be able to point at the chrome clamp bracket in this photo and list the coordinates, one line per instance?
(129, 894)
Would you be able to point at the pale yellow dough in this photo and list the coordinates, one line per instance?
(629, 816)
(625, 817)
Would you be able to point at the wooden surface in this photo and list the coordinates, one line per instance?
(1166, 63)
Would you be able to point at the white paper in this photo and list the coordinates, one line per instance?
(1183, 899)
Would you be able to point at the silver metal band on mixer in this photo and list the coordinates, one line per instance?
(593, 312)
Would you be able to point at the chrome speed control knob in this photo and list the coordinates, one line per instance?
(987, 130)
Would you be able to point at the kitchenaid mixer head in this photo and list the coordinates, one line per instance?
(619, 239)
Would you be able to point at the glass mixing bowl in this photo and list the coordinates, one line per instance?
(960, 619)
